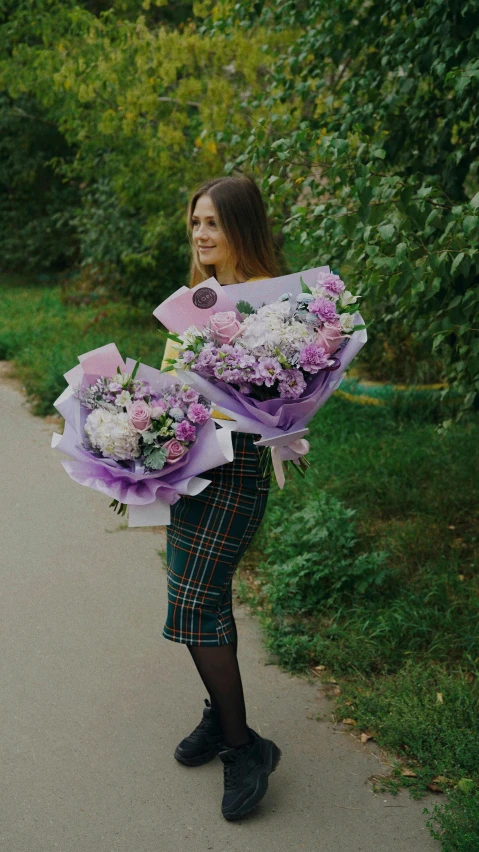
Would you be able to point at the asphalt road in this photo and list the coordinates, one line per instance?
(93, 700)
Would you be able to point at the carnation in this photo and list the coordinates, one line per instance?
(112, 434)
(198, 413)
(185, 431)
(330, 284)
(324, 309)
(176, 413)
(313, 358)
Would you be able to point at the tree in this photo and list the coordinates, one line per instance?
(370, 139)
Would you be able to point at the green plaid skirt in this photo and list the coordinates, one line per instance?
(206, 539)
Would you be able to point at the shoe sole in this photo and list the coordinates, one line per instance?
(274, 756)
(206, 757)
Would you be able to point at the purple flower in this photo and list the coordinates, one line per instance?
(198, 413)
(189, 396)
(185, 431)
(188, 356)
(115, 387)
(206, 361)
(292, 384)
(234, 377)
(246, 388)
(269, 369)
(324, 309)
(331, 283)
(313, 358)
(172, 401)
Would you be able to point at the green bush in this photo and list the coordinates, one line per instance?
(456, 824)
(313, 558)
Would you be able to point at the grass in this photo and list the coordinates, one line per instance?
(43, 336)
(369, 568)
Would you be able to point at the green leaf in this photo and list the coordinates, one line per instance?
(456, 262)
(386, 231)
(135, 369)
(155, 457)
(304, 287)
(470, 222)
(244, 307)
(474, 202)
(169, 335)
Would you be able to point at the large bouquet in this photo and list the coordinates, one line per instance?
(136, 436)
(269, 368)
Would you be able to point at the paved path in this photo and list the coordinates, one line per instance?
(93, 700)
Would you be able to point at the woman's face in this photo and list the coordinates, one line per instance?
(209, 238)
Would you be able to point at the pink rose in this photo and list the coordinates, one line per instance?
(175, 451)
(224, 326)
(329, 336)
(139, 415)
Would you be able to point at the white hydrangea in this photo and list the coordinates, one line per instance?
(255, 333)
(113, 434)
(264, 332)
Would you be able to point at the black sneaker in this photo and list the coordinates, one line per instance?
(204, 743)
(246, 771)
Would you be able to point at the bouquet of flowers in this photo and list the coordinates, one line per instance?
(269, 367)
(136, 436)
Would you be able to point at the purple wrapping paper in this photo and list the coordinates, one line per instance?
(136, 488)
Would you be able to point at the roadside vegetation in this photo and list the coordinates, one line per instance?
(360, 123)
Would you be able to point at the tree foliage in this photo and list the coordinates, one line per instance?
(375, 157)
(138, 105)
(361, 120)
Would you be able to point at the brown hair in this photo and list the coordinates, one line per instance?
(242, 215)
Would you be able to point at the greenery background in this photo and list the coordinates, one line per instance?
(360, 122)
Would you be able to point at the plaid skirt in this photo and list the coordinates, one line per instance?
(206, 539)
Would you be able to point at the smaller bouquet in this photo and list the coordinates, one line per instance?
(136, 436)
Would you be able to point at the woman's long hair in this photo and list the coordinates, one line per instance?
(242, 215)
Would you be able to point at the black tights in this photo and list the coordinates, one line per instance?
(219, 670)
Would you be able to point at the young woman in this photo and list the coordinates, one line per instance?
(209, 534)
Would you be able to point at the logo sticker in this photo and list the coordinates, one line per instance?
(205, 297)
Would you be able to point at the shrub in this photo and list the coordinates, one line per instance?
(313, 558)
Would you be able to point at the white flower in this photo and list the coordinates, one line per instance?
(113, 434)
(123, 398)
(124, 379)
(347, 322)
(346, 298)
(191, 335)
(255, 333)
(323, 293)
(276, 311)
